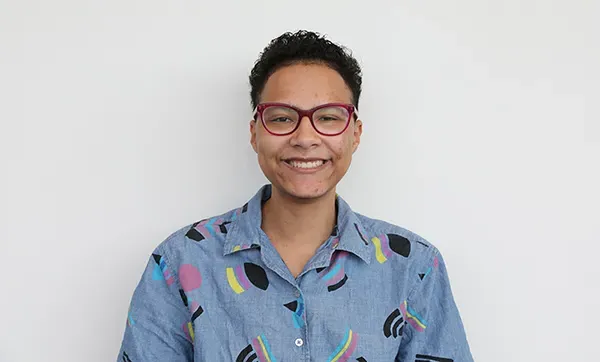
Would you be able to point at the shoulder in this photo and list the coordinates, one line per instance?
(202, 239)
(415, 250)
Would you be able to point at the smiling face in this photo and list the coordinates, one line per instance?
(305, 164)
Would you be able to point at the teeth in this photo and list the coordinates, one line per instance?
(313, 164)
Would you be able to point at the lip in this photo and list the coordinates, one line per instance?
(325, 164)
(301, 159)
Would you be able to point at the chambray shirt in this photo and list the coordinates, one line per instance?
(217, 290)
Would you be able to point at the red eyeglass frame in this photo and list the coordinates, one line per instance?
(304, 113)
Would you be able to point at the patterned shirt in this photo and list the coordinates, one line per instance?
(218, 290)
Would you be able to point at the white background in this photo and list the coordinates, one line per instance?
(123, 120)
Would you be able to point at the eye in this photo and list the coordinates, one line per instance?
(331, 114)
(278, 115)
(330, 118)
(280, 120)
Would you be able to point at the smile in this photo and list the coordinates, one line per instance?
(305, 165)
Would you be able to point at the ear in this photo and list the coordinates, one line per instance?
(357, 132)
(253, 129)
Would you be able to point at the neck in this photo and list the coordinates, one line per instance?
(302, 223)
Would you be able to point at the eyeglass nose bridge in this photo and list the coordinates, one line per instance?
(305, 114)
(309, 113)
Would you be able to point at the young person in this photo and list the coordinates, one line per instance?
(294, 274)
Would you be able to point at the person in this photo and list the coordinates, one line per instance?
(294, 274)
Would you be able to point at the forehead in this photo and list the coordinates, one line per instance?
(306, 85)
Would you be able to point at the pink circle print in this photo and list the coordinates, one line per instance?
(190, 277)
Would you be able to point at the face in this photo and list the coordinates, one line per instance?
(305, 164)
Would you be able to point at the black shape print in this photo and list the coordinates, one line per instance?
(223, 227)
(183, 297)
(338, 285)
(399, 244)
(361, 234)
(194, 234)
(256, 275)
(393, 328)
(246, 352)
(426, 358)
(197, 313)
(291, 306)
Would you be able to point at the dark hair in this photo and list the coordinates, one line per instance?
(304, 47)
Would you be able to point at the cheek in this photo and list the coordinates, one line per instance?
(267, 147)
(342, 149)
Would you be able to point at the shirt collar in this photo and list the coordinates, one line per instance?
(245, 231)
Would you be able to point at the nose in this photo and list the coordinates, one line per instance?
(305, 136)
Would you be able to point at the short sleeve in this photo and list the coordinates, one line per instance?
(158, 322)
(433, 329)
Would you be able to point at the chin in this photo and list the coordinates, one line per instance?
(307, 191)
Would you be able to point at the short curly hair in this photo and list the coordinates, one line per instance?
(304, 47)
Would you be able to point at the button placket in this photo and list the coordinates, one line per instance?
(299, 342)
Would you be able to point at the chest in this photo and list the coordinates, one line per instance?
(296, 260)
(341, 312)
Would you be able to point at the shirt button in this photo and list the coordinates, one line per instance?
(299, 342)
(297, 293)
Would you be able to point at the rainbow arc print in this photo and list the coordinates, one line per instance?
(242, 277)
(345, 349)
(237, 279)
(259, 349)
(412, 317)
(386, 244)
(382, 249)
(263, 350)
(334, 275)
(161, 270)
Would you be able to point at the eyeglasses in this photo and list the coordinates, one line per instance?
(282, 119)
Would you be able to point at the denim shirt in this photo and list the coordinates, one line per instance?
(217, 290)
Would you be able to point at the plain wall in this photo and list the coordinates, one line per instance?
(122, 121)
